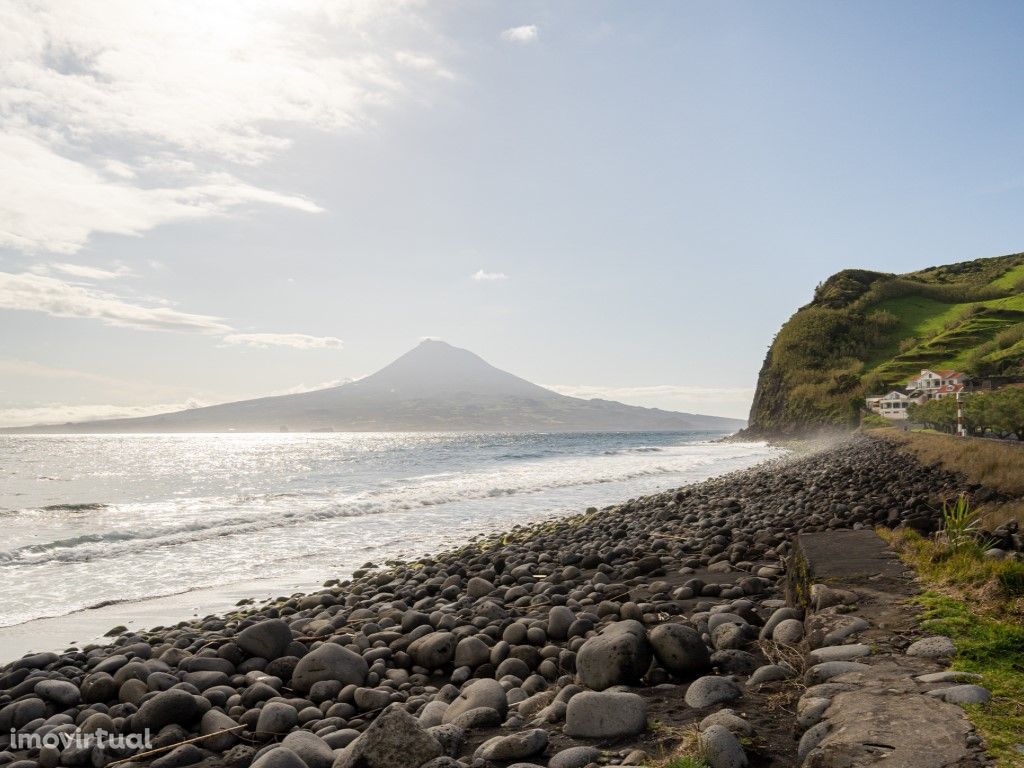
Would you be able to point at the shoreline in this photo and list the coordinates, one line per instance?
(90, 625)
(580, 630)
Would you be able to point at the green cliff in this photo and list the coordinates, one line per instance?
(865, 331)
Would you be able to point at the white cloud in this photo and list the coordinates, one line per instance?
(87, 273)
(525, 35)
(41, 293)
(423, 64)
(51, 203)
(55, 297)
(482, 275)
(296, 340)
(179, 88)
(62, 413)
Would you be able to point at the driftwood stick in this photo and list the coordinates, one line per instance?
(160, 750)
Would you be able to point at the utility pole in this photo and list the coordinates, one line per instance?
(961, 430)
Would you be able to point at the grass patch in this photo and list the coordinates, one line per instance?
(996, 465)
(994, 649)
(680, 747)
(875, 421)
(995, 584)
(686, 762)
(978, 603)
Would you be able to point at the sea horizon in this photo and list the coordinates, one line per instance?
(101, 520)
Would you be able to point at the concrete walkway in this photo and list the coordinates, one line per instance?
(876, 696)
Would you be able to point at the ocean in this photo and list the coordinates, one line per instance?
(90, 520)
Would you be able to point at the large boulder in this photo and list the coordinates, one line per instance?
(61, 692)
(394, 740)
(268, 639)
(314, 751)
(607, 715)
(276, 719)
(329, 662)
(227, 730)
(514, 746)
(174, 706)
(484, 693)
(721, 749)
(279, 757)
(710, 690)
(471, 652)
(433, 651)
(680, 650)
(618, 656)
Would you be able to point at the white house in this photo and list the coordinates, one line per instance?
(893, 405)
(933, 385)
(930, 385)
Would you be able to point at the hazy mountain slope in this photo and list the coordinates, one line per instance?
(866, 331)
(435, 387)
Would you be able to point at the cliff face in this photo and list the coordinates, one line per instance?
(865, 332)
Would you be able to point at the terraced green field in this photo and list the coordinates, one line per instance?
(866, 332)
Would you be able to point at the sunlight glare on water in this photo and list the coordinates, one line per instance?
(91, 519)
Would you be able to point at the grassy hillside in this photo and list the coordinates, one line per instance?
(866, 331)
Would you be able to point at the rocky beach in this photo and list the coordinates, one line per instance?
(687, 620)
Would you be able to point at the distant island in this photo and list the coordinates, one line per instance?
(433, 387)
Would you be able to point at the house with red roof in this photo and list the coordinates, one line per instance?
(934, 385)
(929, 385)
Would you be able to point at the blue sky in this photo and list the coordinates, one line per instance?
(615, 200)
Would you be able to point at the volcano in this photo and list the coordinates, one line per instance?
(434, 387)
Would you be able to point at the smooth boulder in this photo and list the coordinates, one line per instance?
(605, 715)
(618, 656)
(268, 639)
(329, 662)
(680, 650)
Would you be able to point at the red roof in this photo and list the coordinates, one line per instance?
(941, 374)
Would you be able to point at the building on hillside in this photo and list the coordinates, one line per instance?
(933, 385)
(892, 406)
(930, 385)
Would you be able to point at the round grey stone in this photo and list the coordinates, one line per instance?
(605, 715)
(513, 747)
(720, 749)
(710, 690)
(329, 662)
(485, 693)
(788, 632)
(574, 757)
(269, 639)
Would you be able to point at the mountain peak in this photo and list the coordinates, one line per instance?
(433, 367)
(433, 387)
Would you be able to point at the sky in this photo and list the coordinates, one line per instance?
(208, 201)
